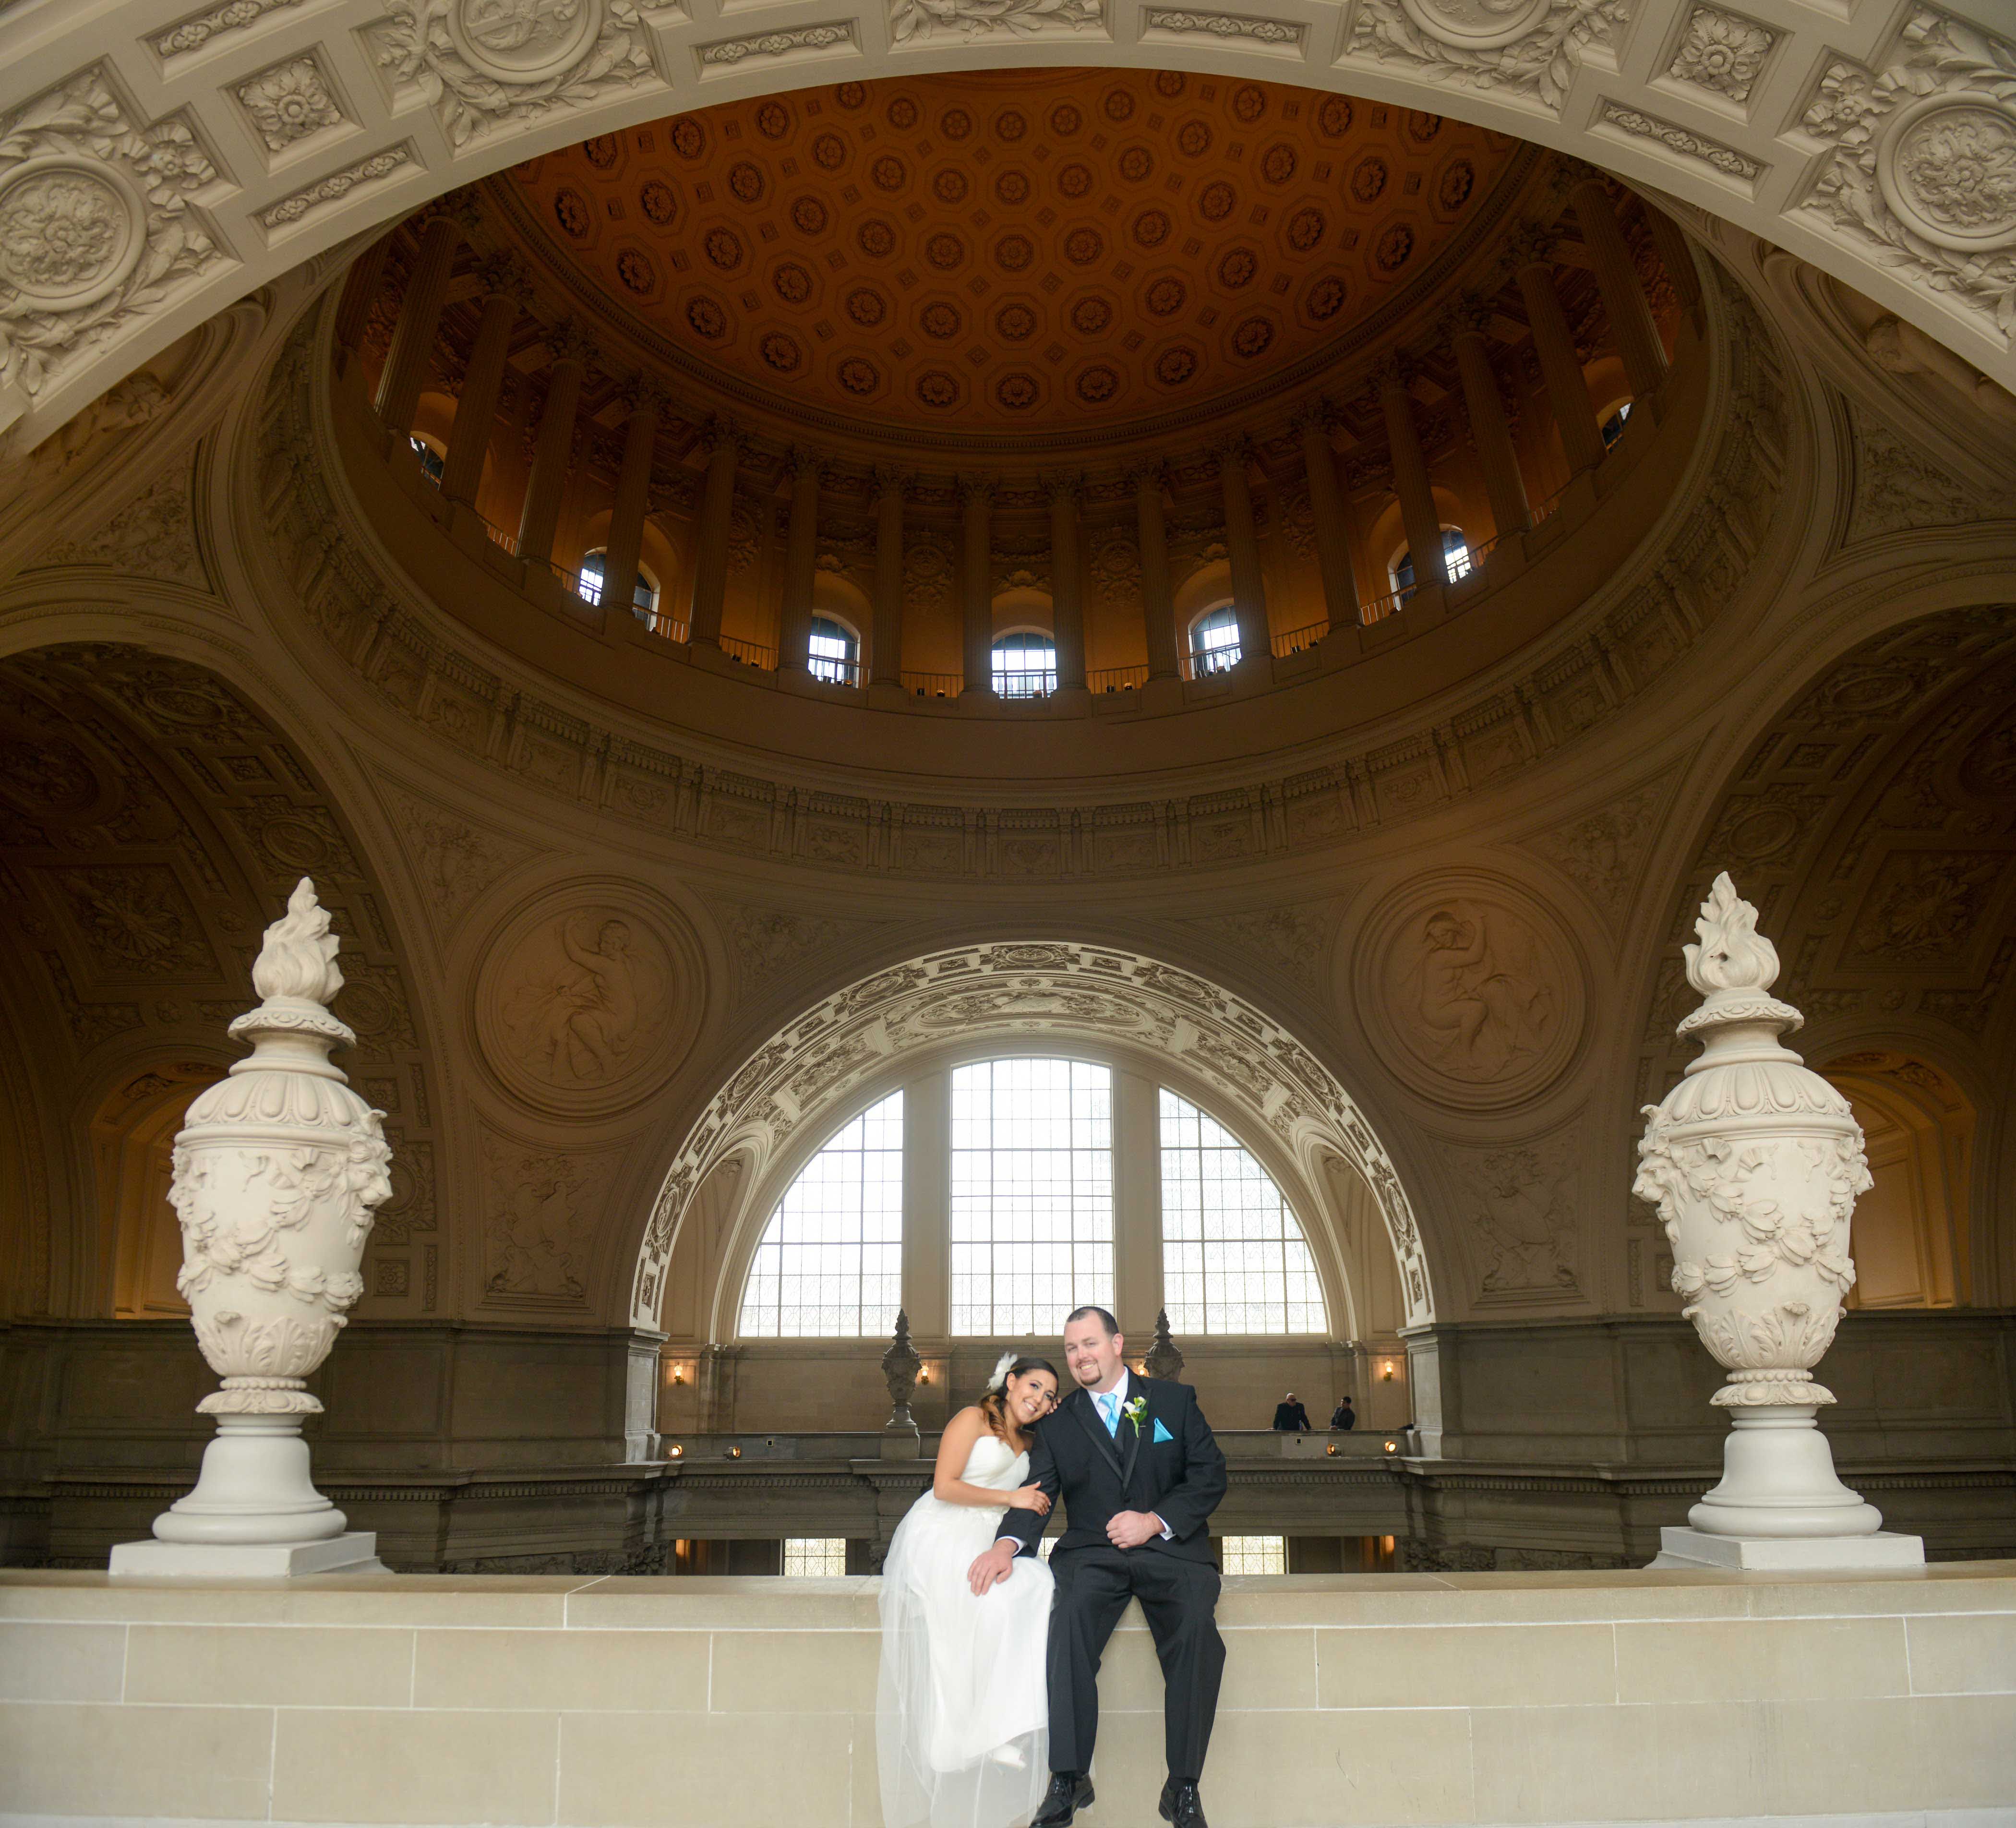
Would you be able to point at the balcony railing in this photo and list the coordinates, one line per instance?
(934, 685)
(1298, 640)
(1117, 679)
(749, 653)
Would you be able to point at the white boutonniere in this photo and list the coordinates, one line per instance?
(1136, 1412)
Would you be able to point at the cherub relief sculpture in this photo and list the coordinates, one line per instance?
(587, 1001)
(1475, 983)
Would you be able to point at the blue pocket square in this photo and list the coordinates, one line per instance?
(1161, 1433)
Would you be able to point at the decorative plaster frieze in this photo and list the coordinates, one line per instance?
(1522, 47)
(1921, 175)
(1682, 140)
(289, 102)
(489, 66)
(1281, 35)
(195, 31)
(917, 20)
(336, 185)
(1722, 53)
(805, 41)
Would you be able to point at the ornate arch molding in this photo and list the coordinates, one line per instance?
(1060, 989)
(163, 161)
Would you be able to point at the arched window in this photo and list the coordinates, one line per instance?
(1025, 664)
(1032, 1194)
(834, 651)
(1214, 641)
(1234, 1259)
(1614, 423)
(433, 460)
(645, 596)
(830, 1262)
(1455, 559)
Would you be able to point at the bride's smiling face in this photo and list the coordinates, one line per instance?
(1031, 1397)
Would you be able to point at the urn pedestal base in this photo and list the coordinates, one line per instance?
(902, 1442)
(355, 1552)
(1882, 1552)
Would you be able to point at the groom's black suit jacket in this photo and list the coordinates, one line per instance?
(1180, 1479)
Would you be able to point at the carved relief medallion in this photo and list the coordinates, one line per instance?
(1947, 168)
(1471, 991)
(71, 230)
(588, 998)
(1477, 25)
(524, 41)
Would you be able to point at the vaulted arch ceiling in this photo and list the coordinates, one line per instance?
(156, 163)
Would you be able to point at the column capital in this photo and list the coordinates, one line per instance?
(1532, 244)
(460, 208)
(1064, 486)
(642, 394)
(1391, 373)
(1234, 454)
(503, 275)
(806, 463)
(1149, 478)
(1469, 315)
(976, 489)
(719, 432)
(568, 341)
(889, 480)
(1314, 414)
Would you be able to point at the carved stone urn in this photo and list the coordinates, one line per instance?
(276, 1172)
(900, 1365)
(1755, 1162)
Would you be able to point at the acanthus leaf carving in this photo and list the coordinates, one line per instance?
(922, 19)
(1528, 48)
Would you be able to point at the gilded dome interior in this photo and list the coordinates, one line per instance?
(1082, 253)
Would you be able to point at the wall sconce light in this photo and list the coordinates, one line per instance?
(675, 1451)
(1386, 1372)
(924, 1374)
(1331, 1450)
(679, 1374)
(735, 1453)
(1390, 1444)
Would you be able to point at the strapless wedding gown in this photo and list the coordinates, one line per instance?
(963, 1713)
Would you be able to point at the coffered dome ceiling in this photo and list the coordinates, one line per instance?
(1060, 253)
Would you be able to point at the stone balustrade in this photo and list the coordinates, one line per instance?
(1395, 1700)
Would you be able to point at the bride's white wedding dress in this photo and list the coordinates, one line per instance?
(962, 1718)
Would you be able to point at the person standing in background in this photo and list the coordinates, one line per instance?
(1345, 1419)
(1291, 1417)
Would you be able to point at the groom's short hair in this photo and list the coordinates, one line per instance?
(1105, 1318)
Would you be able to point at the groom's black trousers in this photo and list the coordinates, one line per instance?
(1180, 1598)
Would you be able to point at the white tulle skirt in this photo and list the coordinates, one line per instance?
(962, 1712)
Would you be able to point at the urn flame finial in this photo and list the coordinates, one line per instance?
(1733, 954)
(298, 959)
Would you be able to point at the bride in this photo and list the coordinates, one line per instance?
(962, 1726)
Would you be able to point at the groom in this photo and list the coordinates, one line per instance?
(1140, 1476)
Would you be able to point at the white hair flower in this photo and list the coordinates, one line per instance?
(998, 1381)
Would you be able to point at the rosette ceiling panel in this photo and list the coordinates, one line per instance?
(1008, 253)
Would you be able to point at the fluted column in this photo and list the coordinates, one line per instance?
(553, 451)
(1511, 512)
(1623, 296)
(1249, 590)
(1567, 393)
(366, 280)
(503, 282)
(1327, 510)
(410, 357)
(1158, 611)
(885, 658)
(717, 511)
(976, 594)
(625, 544)
(795, 631)
(1410, 476)
(1067, 596)
(1676, 254)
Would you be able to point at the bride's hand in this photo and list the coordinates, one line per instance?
(1030, 1497)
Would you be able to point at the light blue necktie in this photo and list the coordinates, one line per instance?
(1109, 1411)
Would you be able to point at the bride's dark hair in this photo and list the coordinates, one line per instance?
(992, 1405)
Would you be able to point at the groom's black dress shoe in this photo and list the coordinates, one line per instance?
(1181, 1806)
(1066, 1796)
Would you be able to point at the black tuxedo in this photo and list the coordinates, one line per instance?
(1180, 1479)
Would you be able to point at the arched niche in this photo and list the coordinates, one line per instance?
(132, 1158)
(788, 1096)
(1910, 1235)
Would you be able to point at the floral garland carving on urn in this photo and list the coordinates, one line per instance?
(1754, 1162)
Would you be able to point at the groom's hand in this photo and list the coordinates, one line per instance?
(997, 1564)
(1129, 1529)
